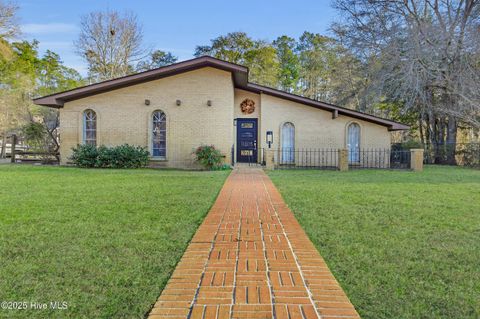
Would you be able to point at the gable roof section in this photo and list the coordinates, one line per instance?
(239, 73)
(240, 80)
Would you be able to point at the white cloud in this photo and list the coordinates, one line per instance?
(48, 28)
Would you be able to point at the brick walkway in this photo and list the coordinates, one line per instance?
(251, 259)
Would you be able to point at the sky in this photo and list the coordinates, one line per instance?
(176, 26)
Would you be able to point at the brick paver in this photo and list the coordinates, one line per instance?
(251, 259)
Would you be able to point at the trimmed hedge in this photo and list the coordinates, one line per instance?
(122, 156)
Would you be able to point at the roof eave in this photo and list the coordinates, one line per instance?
(391, 125)
(49, 101)
(399, 127)
(240, 79)
(240, 76)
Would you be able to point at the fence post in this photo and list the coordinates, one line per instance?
(343, 159)
(3, 151)
(270, 159)
(416, 159)
(14, 144)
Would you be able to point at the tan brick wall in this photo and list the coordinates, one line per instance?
(123, 116)
(240, 96)
(315, 128)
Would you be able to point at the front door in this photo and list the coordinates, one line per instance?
(247, 140)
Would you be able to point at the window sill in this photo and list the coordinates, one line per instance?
(158, 159)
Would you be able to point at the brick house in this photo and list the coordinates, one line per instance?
(173, 109)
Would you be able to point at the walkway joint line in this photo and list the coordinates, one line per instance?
(206, 263)
(293, 252)
(267, 269)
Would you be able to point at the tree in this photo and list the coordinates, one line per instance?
(110, 43)
(8, 20)
(52, 76)
(231, 47)
(18, 81)
(289, 65)
(8, 27)
(237, 47)
(263, 64)
(157, 59)
(328, 71)
(425, 56)
(315, 66)
(25, 76)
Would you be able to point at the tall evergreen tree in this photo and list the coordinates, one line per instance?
(289, 66)
(237, 47)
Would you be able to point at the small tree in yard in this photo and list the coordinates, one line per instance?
(208, 156)
(39, 139)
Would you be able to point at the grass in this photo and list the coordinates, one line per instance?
(401, 244)
(104, 241)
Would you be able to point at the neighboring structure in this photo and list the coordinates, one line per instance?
(173, 109)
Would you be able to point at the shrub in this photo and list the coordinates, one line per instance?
(122, 156)
(411, 144)
(209, 157)
(84, 155)
(407, 145)
(469, 155)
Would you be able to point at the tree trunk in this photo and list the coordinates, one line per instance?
(428, 138)
(451, 141)
(4, 145)
(440, 156)
(436, 141)
(420, 128)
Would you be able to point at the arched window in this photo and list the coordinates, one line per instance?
(288, 143)
(353, 143)
(159, 134)
(90, 127)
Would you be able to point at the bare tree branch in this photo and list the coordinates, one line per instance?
(8, 20)
(110, 43)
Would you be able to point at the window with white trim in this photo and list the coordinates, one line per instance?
(90, 127)
(353, 143)
(288, 143)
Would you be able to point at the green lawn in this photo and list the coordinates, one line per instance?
(104, 241)
(402, 244)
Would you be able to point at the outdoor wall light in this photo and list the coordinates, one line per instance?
(179, 102)
(209, 102)
(269, 137)
(147, 102)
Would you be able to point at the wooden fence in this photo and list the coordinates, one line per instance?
(21, 154)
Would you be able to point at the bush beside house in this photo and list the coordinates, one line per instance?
(209, 157)
(122, 156)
